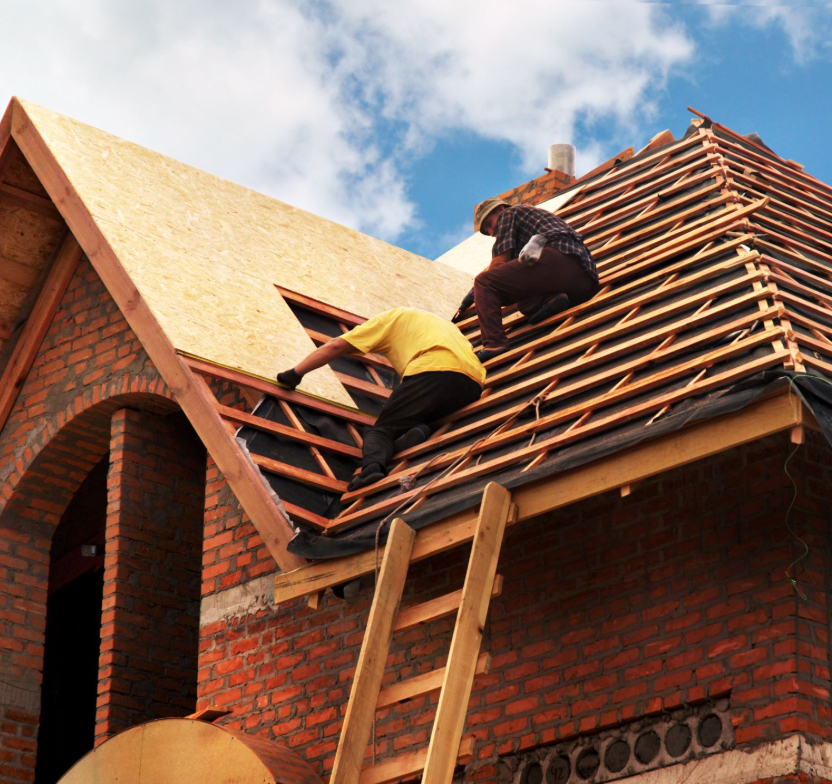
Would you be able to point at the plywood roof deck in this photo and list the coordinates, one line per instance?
(205, 254)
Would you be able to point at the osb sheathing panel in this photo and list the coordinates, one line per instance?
(18, 173)
(205, 254)
(25, 236)
(473, 255)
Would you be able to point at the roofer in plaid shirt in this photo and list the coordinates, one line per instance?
(538, 261)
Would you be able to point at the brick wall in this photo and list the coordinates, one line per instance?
(149, 628)
(90, 365)
(613, 610)
(538, 190)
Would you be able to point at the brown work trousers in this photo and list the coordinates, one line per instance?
(529, 287)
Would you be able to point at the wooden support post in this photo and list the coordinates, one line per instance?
(465, 645)
(358, 720)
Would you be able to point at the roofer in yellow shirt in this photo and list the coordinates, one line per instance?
(439, 375)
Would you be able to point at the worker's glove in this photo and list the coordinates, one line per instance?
(289, 378)
(532, 249)
(466, 303)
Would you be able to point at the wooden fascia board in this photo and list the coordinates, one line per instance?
(191, 396)
(772, 415)
(5, 137)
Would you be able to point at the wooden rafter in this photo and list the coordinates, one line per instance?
(33, 332)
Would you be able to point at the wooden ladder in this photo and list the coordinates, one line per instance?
(454, 681)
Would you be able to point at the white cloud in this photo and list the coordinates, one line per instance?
(323, 103)
(806, 25)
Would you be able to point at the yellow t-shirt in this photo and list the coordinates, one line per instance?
(415, 341)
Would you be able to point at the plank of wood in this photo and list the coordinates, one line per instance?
(408, 765)
(549, 359)
(209, 714)
(304, 515)
(426, 683)
(6, 142)
(358, 720)
(33, 332)
(197, 404)
(675, 241)
(367, 387)
(777, 169)
(29, 201)
(641, 228)
(275, 428)
(15, 272)
(372, 360)
(631, 182)
(654, 194)
(206, 368)
(322, 308)
(302, 475)
(646, 460)
(465, 643)
(434, 609)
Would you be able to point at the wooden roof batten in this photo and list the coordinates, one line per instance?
(195, 402)
(731, 225)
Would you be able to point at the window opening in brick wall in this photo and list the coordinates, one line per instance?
(73, 624)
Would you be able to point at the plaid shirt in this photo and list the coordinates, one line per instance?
(517, 225)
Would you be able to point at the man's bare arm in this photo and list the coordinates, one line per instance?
(323, 355)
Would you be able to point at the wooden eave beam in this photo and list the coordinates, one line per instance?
(195, 401)
(34, 330)
(766, 417)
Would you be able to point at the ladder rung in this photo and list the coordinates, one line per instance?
(422, 684)
(448, 604)
(404, 765)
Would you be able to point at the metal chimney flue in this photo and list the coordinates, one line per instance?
(562, 158)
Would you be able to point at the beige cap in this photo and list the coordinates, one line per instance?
(484, 209)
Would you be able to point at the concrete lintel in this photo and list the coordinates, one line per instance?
(240, 600)
(746, 766)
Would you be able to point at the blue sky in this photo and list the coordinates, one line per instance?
(396, 118)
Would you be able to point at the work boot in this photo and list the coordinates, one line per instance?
(416, 435)
(483, 355)
(369, 474)
(557, 304)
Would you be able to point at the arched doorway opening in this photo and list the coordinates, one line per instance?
(73, 630)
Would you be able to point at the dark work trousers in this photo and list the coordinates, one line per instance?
(530, 287)
(419, 399)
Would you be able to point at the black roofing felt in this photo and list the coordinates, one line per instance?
(816, 394)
